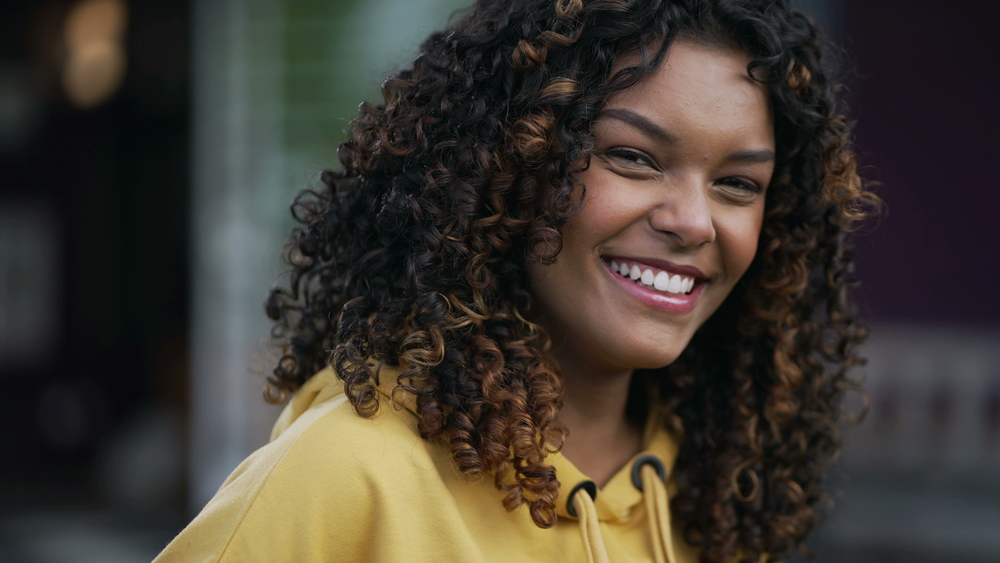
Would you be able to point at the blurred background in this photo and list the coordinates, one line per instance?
(148, 153)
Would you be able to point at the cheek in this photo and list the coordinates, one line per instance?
(609, 207)
(746, 252)
(741, 236)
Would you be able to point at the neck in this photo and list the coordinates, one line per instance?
(601, 438)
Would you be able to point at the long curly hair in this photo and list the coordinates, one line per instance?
(416, 254)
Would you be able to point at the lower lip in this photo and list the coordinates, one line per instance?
(677, 303)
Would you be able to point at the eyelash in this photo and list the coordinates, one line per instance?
(741, 184)
(631, 156)
(636, 158)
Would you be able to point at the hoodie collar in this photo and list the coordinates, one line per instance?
(618, 499)
(615, 502)
(325, 385)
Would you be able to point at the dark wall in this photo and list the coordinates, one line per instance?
(116, 178)
(927, 99)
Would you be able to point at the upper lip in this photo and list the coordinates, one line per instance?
(665, 265)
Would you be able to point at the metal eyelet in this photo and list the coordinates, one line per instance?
(589, 486)
(651, 460)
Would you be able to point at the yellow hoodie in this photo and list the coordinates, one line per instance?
(334, 487)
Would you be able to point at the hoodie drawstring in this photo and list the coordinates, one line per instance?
(649, 476)
(654, 493)
(582, 507)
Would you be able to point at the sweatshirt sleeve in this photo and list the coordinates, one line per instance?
(294, 500)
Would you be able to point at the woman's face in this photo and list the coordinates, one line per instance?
(673, 212)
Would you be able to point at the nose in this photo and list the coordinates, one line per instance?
(685, 214)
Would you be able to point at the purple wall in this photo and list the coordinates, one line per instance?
(927, 100)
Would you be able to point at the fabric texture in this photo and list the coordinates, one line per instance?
(333, 486)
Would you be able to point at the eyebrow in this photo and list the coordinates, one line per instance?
(752, 157)
(653, 130)
(641, 123)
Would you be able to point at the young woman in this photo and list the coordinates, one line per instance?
(578, 294)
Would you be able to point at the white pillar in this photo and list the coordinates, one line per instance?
(238, 214)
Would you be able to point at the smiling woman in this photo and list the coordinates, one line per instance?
(675, 191)
(591, 250)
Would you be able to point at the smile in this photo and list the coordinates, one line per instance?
(653, 277)
(639, 279)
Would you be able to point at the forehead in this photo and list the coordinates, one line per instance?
(690, 64)
(699, 86)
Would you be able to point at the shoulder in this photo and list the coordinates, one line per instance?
(330, 443)
(329, 477)
(331, 439)
(319, 432)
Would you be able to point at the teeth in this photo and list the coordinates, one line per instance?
(675, 284)
(661, 280)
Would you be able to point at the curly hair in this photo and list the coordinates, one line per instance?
(416, 254)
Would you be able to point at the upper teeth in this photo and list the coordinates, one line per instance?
(661, 281)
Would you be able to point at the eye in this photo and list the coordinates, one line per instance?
(631, 157)
(741, 184)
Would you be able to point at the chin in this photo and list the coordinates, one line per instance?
(652, 356)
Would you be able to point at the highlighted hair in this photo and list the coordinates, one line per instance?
(415, 254)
